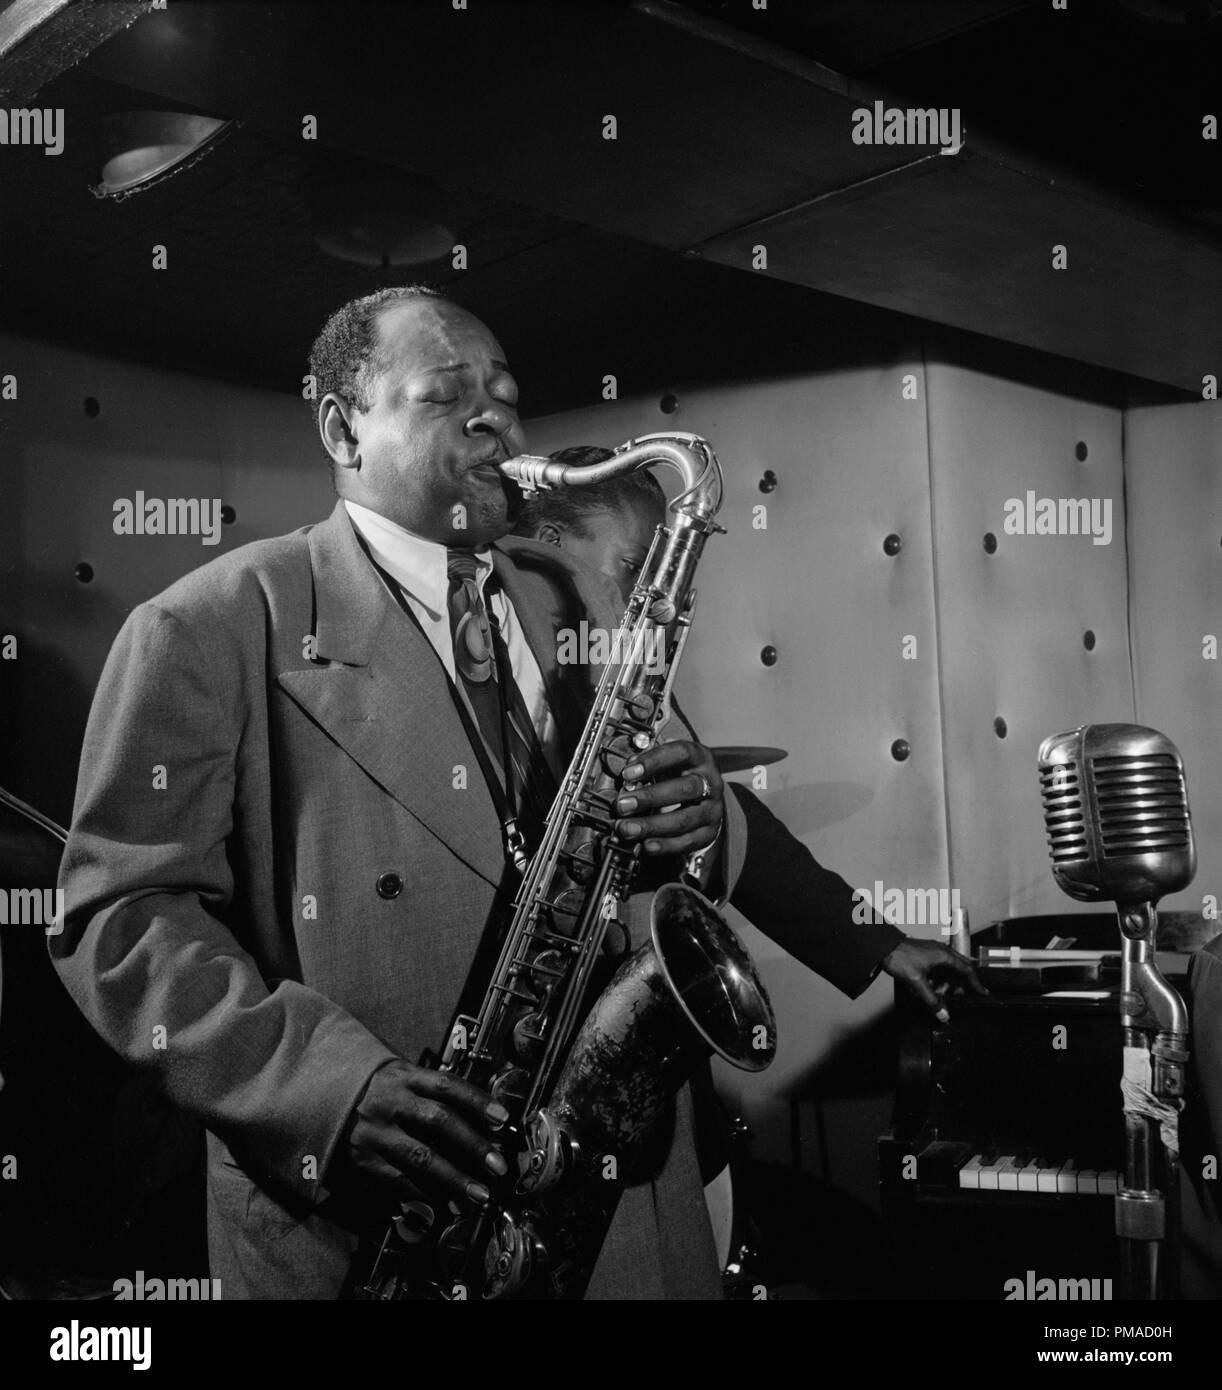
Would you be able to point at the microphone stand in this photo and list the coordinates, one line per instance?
(1155, 1026)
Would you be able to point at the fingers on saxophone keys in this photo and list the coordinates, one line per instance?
(677, 791)
(463, 1098)
(423, 1169)
(673, 832)
(673, 756)
(437, 1138)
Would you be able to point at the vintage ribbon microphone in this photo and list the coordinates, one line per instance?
(1116, 814)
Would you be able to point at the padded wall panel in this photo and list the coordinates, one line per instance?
(850, 459)
(1012, 623)
(165, 434)
(1175, 540)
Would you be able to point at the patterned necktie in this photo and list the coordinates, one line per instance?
(482, 663)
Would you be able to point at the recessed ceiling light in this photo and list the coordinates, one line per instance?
(140, 149)
(379, 217)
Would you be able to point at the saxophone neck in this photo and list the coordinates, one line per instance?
(693, 457)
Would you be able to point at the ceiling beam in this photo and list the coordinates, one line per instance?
(40, 39)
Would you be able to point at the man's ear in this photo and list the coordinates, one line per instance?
(550, 534)
(337, 430)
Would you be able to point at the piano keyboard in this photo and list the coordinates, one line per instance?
(1009, 1173)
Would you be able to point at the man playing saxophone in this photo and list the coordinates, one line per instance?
(298, 812)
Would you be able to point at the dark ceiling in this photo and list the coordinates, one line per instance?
(633, 257)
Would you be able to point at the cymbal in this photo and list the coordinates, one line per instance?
(740, 757)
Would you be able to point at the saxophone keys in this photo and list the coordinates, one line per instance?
(515, 846)
(546, 967)
(581, 863)
(512, 1257)
(414, 1222)
(547, 1156)
(617, 943)
(454, 1248)
(510, 1087)
(569, 901)
(527, 1035)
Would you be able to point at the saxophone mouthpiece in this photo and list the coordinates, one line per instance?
(531, 473)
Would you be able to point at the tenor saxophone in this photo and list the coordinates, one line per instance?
(583, 1085)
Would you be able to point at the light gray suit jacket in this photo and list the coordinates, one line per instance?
(273, 750)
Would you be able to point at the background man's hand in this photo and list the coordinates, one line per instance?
(672, 774)
(932, 971)
(421, 1133)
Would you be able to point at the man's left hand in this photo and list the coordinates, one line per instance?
(932, 971)
(682, 775)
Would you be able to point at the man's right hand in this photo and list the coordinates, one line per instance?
(421, 1133)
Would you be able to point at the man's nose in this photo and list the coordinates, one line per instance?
(491, 419)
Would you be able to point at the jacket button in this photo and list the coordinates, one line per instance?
(389, 886)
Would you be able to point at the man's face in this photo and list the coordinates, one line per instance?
(442, 411)
(617, 543)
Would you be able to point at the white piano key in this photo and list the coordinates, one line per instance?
(1046, 1178)
(1088, 1181)
(1067, 1178)
(1109, 1182)
(1027, 1175)
(969, 1174)
(1007, 1174)
(989, 1173)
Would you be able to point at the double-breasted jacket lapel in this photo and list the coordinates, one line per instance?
(380, 691)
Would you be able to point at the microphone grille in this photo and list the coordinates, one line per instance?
(1114, 794)
(1143, 804)
(1061, 792)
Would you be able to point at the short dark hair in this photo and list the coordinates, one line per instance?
(345, 357)
(568, 507)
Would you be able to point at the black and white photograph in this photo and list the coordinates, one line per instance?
(609, 673)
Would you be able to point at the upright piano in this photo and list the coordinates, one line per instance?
(1007, 1139)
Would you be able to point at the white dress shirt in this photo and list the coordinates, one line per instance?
(418, 566)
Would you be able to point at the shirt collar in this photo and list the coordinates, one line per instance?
(417, 564)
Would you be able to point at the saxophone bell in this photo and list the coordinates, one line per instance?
(691, 991)
(712, 978)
